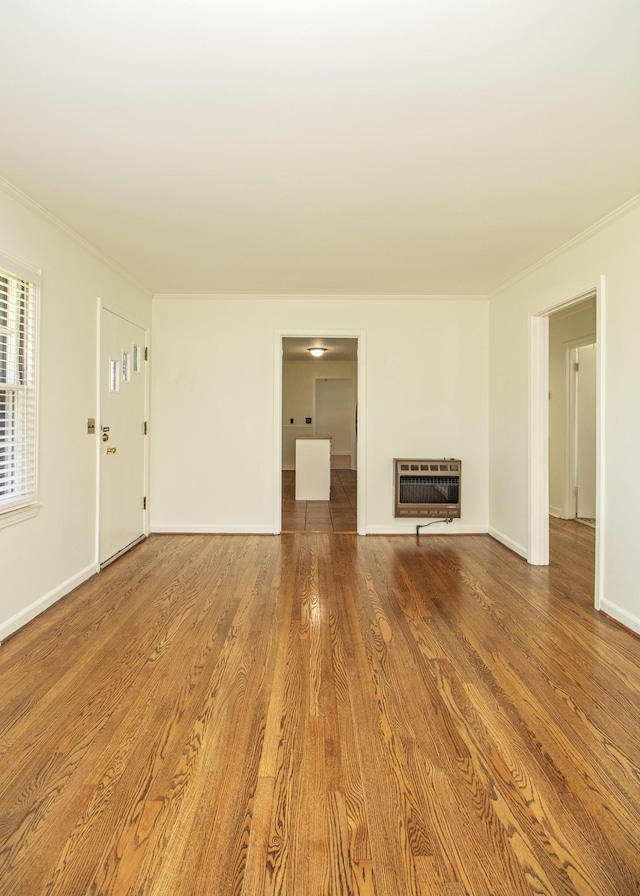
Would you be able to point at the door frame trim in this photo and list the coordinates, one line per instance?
(570, 438)
(360, 336)
(538, 539)
(124, 313)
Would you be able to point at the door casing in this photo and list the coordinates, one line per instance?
(570, 439)
(538, 505)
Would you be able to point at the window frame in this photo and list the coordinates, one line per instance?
(26, 504)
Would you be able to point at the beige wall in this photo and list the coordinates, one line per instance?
(612, 252)
(44, 557)
(298, 398)
(214, 402)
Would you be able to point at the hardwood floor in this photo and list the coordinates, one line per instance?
(323, 715)
(339, 514)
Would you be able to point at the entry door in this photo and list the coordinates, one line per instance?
(586, 433)
(122, 434)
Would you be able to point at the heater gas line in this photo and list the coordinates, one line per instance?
(423, 525)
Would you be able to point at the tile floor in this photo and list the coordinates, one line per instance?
(336, 515)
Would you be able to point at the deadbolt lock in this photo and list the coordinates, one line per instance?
(105, 436)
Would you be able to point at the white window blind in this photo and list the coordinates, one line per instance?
(18, 393)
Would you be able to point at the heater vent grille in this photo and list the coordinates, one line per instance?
(427, 488)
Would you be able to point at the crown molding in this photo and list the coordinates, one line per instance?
(49, 218)
(322, 297)
(621, 212)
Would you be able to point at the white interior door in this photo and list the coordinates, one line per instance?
(335, 413)
(122, 434)
(586, 433)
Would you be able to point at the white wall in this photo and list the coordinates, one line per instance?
(611, 251)
(298, 398)
(45, 557)
(214, 413)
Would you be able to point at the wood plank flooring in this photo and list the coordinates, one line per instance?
(323, 715)
(339, 514)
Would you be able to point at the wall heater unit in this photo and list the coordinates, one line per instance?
(427, 488)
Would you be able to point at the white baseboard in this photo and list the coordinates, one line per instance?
(408, 527)
(620, 615)
(209, 529)
(509, 543)
(43, 603)
(558, 513)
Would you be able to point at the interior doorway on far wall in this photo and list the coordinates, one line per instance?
(319, 399)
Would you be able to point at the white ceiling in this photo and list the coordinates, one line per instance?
(322, 146)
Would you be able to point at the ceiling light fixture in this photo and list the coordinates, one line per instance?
(317, 351)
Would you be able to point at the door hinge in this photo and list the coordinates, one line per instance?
(144, 503)
(576, 366)
(146, 429)
(146, 353)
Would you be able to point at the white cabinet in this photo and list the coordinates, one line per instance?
(313, 469)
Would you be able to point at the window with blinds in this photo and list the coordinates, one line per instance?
(18, 394)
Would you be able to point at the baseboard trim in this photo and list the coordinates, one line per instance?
(48, 600)
(408, 527)
(619, 615)
(508, 542)
(207, 529)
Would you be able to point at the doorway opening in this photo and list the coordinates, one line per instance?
(320, 398)
(572, 411)
(555, 335)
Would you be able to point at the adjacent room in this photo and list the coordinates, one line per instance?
(364, 621)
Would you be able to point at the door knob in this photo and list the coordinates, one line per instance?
(111, 450)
